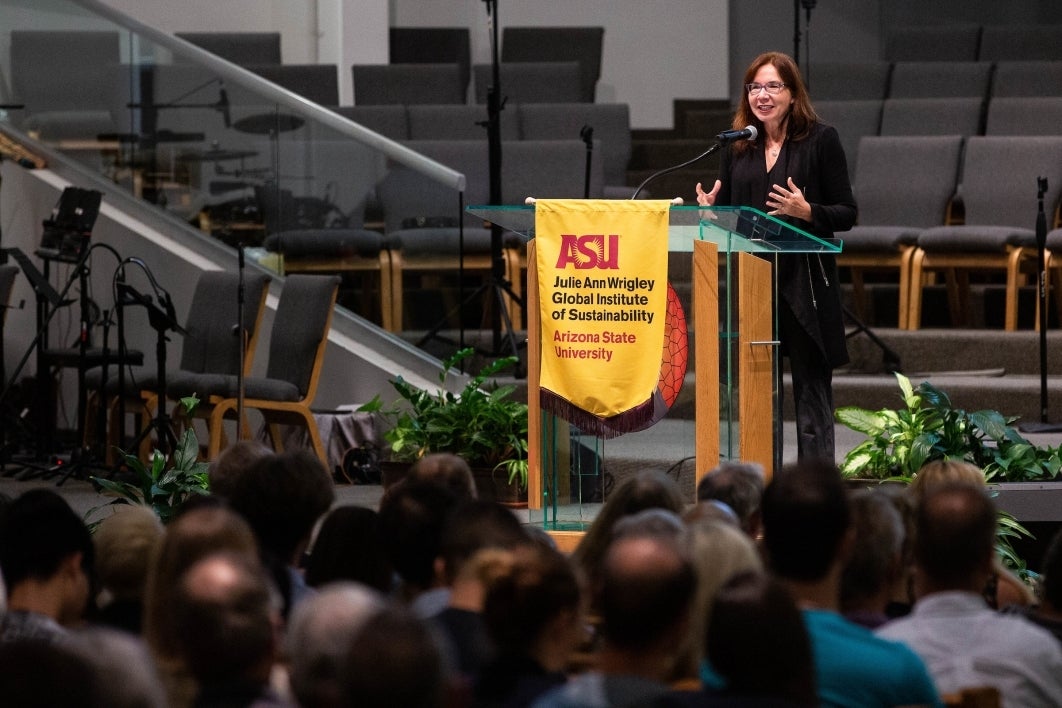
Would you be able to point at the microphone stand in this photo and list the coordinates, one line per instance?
(674, 168)
(587, 134)
(1041, 292)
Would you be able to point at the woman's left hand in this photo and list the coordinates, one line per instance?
(788, 202)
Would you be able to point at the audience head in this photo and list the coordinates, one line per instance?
(124, 542)
(447, 469)
(193, 535)
(535, 608)
(940, 472)
(748, 608)
(348, 546)
(739, 485)
(805, 520)
(412, 515)
(643, 593)
(876, 557)
(394, 660)
(229, 616)
(719, 551)
(645, 490)
(1051, 576)
(234, 462)
(282, 497)
(319, 635)
(42, 541)
(471, 527)
(955, 536)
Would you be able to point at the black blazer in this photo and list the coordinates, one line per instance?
(807, 282)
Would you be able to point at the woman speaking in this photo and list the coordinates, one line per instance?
(795, 170)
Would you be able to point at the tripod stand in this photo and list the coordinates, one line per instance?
(497, 285)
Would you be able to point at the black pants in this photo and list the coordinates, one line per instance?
(812, 388)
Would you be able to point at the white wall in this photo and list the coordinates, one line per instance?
(653, 53)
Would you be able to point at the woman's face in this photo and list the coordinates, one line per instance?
(769, 109)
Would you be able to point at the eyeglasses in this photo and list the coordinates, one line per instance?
(773, 87)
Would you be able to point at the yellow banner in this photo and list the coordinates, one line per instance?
(602, 269)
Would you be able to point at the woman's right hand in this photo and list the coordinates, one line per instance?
(707, 198)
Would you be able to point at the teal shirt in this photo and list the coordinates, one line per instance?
(856, 669)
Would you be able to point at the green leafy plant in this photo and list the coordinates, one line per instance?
(927, 427)
(165, 483)
(482, 423)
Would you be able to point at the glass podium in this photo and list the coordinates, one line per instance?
(721, 263)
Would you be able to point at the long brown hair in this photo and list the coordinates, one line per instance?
(801, 114)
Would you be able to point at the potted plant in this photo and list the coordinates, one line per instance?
(481, 423)
(927, 427)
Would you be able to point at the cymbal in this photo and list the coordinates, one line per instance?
(266, 123)
(217, 155)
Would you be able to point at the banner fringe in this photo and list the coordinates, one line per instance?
(629, 421)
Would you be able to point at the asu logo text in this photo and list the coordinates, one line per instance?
(589, 251)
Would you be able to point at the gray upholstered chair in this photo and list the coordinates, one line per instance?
(66, 81)
(391, 121)
(932, 116)
(243, 48)
(848, 80)
(557, 44)
(853, 120)
(296, 354)
(611, 123)
(432, 45)
(999, 178)
(1040, 42)
(1027, 78)
(459, 122)
(210, 345)
(376, 84)
(1024, 116)
(940, 79)
(903, 185)
(316, 82)
(956, 42)
(532, 82)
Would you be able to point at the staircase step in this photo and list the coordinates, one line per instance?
(705, 124)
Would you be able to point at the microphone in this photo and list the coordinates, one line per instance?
(749, 132)
(223, 106)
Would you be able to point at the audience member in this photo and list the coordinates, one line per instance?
(124, 542)
(807, 536)
(282, 497)
(739, 485)
(719, 551)
(465, 566)
(394, 661)
(875, 561)
(645, 588)
(36, 674)
(747, 610)
(412, 514)
(645, 490)
(320, 634)
(348, 546)
(964, 642)
(447, 469)
(131, 679)
(1048, 614)
(230, 618)
(1003, 588)
(46, 556)
(232, 463)
(533, 615)
(193, 535)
